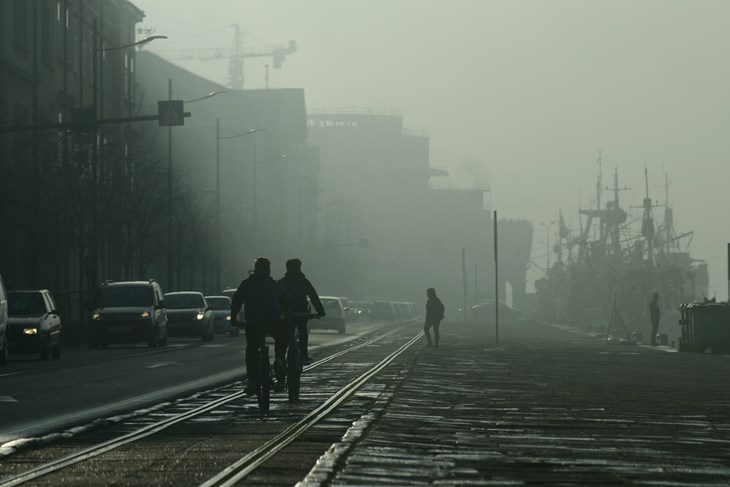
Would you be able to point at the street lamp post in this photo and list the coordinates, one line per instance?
(218, 139)
(169, 178)
(97, 161)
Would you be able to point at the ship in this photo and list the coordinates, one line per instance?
(608, 269)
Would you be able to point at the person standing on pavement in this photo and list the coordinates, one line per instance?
(266, 310)
(434, 315)
(299, 289)
(654, 314)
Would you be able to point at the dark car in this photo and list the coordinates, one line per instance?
(229, 292)
(128, 312)
(222, 315)
(189, 315)
(33, 324)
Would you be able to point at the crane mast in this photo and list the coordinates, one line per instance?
(235, 55)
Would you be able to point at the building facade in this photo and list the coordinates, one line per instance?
(57, 57)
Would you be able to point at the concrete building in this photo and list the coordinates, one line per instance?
(268, 179)
(379, 184)
(57, 56)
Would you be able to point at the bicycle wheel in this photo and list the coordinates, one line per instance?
(263, 393)
(294, 369)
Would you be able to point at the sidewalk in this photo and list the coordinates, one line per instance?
(549, 406)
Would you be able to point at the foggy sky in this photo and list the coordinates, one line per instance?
(530, 90)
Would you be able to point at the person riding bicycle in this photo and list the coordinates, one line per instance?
(266, 311)
(299, 288)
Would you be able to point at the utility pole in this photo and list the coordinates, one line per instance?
(169, 193)
(218, 203)
(463, 272)
(496, 282)
(476, 285)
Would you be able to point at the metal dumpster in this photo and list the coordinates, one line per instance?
(705, 328)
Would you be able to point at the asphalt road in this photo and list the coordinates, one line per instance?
(38, 397)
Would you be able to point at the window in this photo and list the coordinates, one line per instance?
(45, 32)
(74, 47)
(21, 149)
(20, 24)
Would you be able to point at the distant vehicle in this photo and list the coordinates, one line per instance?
(485, 312)
(383, 310)
(363, 308)
(403, 310)
(189, 315)
(4, 348)
(229, 292)
(33, 324)
(128, 312)
(335, 319)
(414, 311)
(222, 315)
(349, 311)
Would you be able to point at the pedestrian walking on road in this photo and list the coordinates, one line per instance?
(266, 310)
(654, 314)
(434, 315)
(299, 289)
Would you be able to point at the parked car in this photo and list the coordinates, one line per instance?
(33, 324)
(229, 292)
(383, 310)
(4, 348)
(222, 315)
(335, 318)
(189, 315)
(128, 312)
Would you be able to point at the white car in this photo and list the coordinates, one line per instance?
(335, 316)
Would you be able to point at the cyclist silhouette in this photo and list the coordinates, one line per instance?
(299, 289)
(266, 311)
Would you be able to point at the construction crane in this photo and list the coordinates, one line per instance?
(235, 55)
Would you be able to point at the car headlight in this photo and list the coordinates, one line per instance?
(145, 314)
(201, 315)
(96, 316)
(30, 331)
(228, 317)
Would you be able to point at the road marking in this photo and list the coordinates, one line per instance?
(160, 364)
(11, 373)
(216, 345)
(7, 399)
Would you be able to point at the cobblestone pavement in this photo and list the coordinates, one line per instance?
(547, 406)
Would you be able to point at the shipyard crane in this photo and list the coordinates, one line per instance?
(235, 54)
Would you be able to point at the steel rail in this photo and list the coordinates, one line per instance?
(238, 470)
(145, 431)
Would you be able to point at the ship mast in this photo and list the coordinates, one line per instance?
(647, 225)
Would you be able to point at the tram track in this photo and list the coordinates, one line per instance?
(244, 465)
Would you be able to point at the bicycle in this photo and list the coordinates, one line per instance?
(263, 379)
(294, 364)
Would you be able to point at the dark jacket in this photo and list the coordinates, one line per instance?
(263, 299)
(299, 288)
(434, 310)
